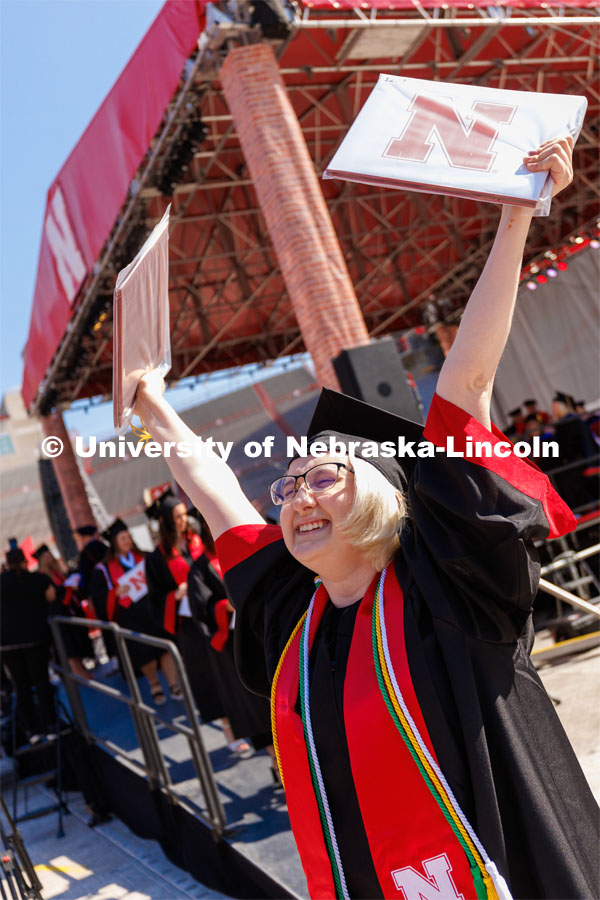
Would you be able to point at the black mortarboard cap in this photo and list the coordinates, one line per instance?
(163, 505)
(87, 530)
(561, 397)
(513, 413)
(93, 553)
(349, 419)
(43, 548)
(169, 502)
(530, 402)
(113, 530)
(15, 557)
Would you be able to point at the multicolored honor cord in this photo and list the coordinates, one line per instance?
(341, 891)
(337, 871)
(487, 881)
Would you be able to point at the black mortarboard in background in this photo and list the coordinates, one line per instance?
(163, 505)
(92, 553)
(530, 402)
(513, 413)
(43, 548)
(169, 502)
(87, 530)
(349, 419)
(567, 399)
(113, 530)
(14, 557)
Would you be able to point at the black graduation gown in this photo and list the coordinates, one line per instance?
(24, 609)
(192, 642)
(137, 617)
(469, 572)
(248, 714)
(76, 639)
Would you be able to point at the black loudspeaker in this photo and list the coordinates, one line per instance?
(56, 512)
(272, 18)
(374, 373)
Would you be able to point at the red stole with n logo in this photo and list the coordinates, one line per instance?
(414, 849)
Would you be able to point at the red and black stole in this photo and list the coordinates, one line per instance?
(412, 844)
(116, 570)
(179, 569)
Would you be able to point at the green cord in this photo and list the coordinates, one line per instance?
(478, 882)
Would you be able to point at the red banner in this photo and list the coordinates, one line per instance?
(337, 5)
(84, 200)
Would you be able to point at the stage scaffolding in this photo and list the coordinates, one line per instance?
(229, 304)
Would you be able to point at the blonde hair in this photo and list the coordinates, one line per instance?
(376, 517)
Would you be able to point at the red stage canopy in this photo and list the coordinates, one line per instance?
(328, 79)
(337, 5)
(88, 192)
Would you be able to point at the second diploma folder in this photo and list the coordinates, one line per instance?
(141, 339)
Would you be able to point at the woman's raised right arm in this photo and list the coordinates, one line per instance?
(209, 482)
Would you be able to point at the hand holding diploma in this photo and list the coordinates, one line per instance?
(555, 156)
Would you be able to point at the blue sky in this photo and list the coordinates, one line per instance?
(58, 60)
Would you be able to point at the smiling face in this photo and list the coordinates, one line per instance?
(123, 543)
(310, 521)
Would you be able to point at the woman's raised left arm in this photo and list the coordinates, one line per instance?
(467, 376)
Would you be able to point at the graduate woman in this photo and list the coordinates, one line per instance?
(112, 600)
(420, 753)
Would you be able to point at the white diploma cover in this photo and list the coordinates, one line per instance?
(135, 582)
(141, 339)
(455, 139)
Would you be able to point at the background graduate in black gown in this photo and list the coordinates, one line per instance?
(248, 715)
(167, 572)
(114, 604)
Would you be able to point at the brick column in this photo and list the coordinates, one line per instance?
(292, 202)
(67, 474)
(445, 335)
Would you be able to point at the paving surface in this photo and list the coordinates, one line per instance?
(254, 809)
(111, 863)
(106, 863)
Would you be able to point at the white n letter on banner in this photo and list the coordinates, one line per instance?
(67, 255)
(438, 885)
(466, 146)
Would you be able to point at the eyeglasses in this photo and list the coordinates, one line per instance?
(318, 478)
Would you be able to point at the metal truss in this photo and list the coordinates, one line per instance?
(229, 304)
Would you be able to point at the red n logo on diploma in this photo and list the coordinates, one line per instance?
(137, 581)
(466, 145)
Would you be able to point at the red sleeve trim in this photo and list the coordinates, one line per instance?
(446, 419)
(222, 617)
(111, 604)
(239, 543)
(170, 616)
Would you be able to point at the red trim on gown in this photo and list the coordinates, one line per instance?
(446, 419)
(179, 569)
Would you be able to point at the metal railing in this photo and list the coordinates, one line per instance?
(144, 717)
(18, 878)
(572, 562)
